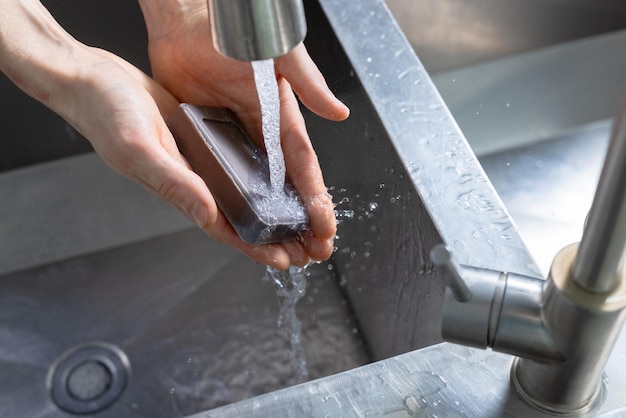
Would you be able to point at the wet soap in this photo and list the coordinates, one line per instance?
(236, 171)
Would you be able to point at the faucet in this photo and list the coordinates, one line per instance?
(250, 30)
(562, 329)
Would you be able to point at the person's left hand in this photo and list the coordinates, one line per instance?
(185, 62)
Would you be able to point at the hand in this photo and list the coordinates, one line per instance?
(186, 64)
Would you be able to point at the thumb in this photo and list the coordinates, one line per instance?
(172, 180)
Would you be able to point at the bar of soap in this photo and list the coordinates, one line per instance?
(237, 173)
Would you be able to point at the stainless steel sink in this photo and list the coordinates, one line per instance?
(86, 256)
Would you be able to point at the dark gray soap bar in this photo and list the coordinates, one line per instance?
(237, 173)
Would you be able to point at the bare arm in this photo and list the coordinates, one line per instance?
(121, 111)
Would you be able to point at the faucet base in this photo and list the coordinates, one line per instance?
(584, 326)
(595, 401)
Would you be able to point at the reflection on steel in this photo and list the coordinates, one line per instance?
(255, 30)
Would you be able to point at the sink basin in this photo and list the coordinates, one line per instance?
(89, 257)
(196, 320)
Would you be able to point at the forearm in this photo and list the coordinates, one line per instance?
(35, 52)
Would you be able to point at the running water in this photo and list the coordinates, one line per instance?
(290, 286)
(267, 90)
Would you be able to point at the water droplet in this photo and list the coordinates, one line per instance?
(346, 213)
(411, 405)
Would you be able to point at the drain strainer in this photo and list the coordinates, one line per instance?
(88, 378)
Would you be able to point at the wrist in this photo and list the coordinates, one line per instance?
(162, 17)
(35, 52)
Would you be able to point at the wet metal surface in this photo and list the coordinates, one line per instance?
(196, 320)
(444, 380)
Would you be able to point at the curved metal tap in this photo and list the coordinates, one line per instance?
(602, 246)
(563, 329)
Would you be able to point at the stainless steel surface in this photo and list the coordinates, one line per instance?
(533, 181)
(418, 182)
(250, 30)
(548, 186)
(449, 34)
(195, 319)
(444, 380)
(472, 383)
(441, 257)
(601, 250)
(176, 296)
(73, 206)
(530, 97)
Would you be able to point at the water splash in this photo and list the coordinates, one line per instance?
(290, 286)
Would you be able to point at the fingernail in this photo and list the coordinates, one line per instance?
(200, 215)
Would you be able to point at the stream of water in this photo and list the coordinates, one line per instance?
(290, 285)
(267, 90)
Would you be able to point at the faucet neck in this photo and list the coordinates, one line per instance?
(251, 30)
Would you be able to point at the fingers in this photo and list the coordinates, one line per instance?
(309, 84)
(170, 179)
(305, 174)
(174, 182)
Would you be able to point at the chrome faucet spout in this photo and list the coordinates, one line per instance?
(250, 30)
(602, 247)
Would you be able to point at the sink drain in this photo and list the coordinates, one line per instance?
(88, 378)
